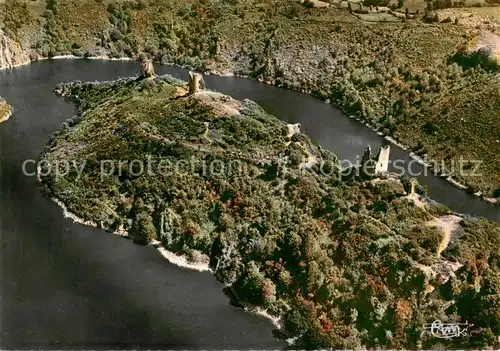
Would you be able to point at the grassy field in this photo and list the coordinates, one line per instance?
(393, 75)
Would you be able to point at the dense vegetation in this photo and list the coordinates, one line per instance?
(345, 263)
(408, 78)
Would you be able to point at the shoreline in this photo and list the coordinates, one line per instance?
(448, 177)
(178, 260)
(260, 311)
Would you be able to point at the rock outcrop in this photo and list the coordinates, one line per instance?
(11, 53)
(315, 3)
(196, 82)
(438, 273)
(220, 104)
(293, 129)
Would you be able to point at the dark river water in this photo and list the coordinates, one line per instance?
(68, 285)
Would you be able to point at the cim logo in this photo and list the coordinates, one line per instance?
(442, 330)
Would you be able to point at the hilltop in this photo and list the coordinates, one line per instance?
(343, 262)
(425, 77)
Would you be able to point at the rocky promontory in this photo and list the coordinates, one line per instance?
(342, 263)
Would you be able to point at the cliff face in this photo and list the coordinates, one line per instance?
(11, 53)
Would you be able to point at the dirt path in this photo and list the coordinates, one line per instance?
(447, 224)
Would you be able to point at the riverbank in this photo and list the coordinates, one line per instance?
(386, 74)
(175, 259)
(428, 163)
(447, 224)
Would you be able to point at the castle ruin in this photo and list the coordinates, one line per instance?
(147, 69)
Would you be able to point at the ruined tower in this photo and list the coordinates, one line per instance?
(367, 163)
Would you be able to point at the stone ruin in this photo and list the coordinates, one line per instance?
(374, 166)
(196, 82)
(292, 129)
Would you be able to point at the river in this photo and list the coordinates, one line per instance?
(64, 284)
